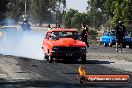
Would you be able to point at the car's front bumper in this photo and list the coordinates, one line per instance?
(68, 54)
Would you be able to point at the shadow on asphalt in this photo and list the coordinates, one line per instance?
(71, 62)
(56, 84)
(87, 62)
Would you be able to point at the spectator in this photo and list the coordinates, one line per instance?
(58, 26)
(120, 34)
(49, 27)
(84, 34)
(25, 25)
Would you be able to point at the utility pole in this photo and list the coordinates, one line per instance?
(25, 7)
(25, 16)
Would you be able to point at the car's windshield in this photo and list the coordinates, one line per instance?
(109, 34)
(106, 34)
(64, 34)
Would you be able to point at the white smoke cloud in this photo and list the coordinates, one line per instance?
(24, 44)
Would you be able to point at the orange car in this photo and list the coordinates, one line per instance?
(63, 44)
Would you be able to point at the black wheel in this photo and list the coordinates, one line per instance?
(130, 46)
(83, 59)
(81, 81)
(105, 44)
(110, 44)
(124, 46)
(48, 58)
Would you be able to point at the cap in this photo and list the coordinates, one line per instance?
(120, 22)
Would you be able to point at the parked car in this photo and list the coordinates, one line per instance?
(1, 33)
(10, 28)
(63, 44)
(10, 32)
(128, 40)
(108, 39)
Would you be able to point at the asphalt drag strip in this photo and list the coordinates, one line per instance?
(30, 73)
(33, 72)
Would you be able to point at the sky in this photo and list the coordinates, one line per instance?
(79, 5)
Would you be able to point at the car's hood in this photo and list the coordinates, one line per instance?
(128, 38)
(67, 42)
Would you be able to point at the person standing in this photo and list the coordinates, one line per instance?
(58, 26)
(84, 34)
(120, 31)
(49, 27)
(25, 25)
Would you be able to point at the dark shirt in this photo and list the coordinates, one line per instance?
(120, 30)
(84, 32)
(25, 26)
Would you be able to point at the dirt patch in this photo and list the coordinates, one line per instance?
(118, 56)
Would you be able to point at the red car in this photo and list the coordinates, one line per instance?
(63, 44)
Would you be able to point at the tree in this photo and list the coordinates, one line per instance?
(2, 8)
(113, 10)
(74, 19)
(67, 18)
(96, 13)
(119, 10)
(38, 10)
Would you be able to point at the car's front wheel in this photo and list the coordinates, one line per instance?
(48, 58)
(105, 44)
(83, 59)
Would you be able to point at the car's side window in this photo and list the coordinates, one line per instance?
(48, 35)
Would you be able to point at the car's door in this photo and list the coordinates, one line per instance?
(105, 37)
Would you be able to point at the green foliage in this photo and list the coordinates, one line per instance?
(115, 10)
(73, 19)
(119, 10)
(93, 32)
(99, 12)
(43, 10)
(96, 13)
(69, 19)
(2, 8)
(37, 10)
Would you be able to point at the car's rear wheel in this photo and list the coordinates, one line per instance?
(124, 46)
(130, 46)
(110, 45)
(105, 44)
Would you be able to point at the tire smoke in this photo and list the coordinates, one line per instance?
(22, 44)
